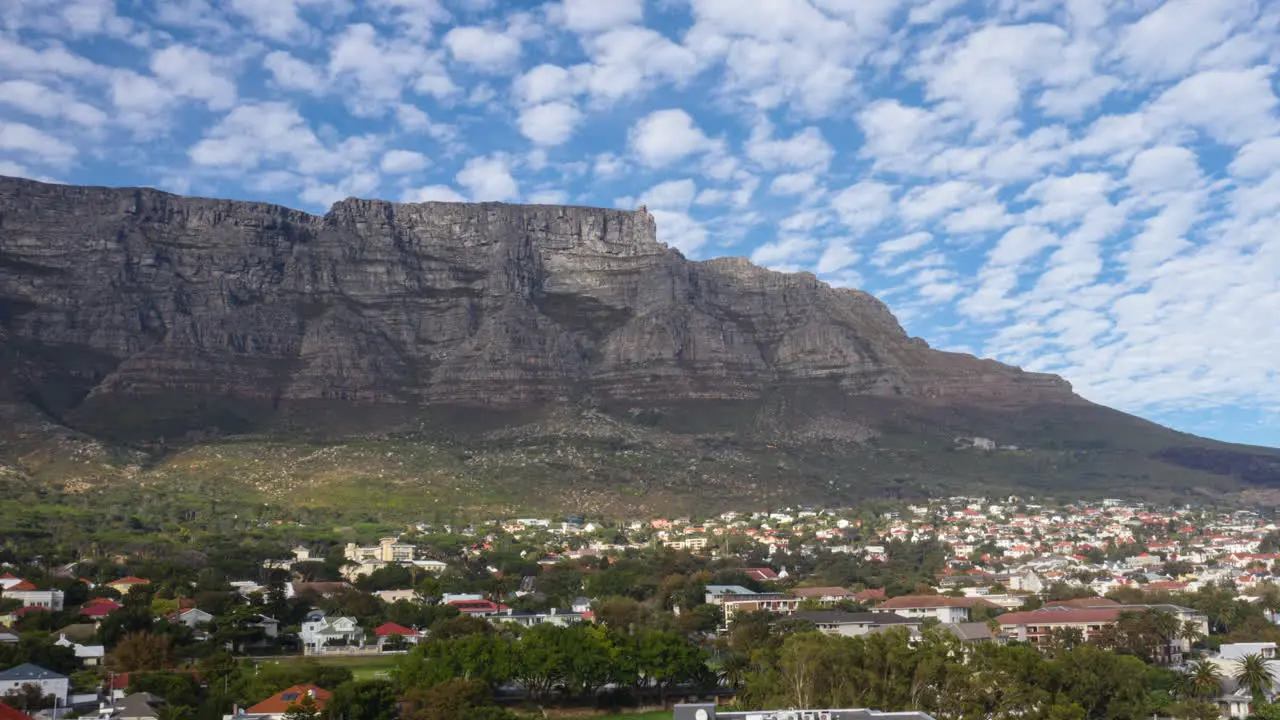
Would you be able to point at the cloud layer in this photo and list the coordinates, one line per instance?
(1087, 187)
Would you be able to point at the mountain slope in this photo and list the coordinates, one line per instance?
(136, 318)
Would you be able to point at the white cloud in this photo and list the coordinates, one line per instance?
(192, 73)
(1257, 159)
(23, 139)
(1167, 41)
(41, 101)
(806, 150)
(291, 73)
(483, 49)
(544, 83)
(838, 255)
(550, 123)
(679, 230)
(671, 195)
(489, 179)
(1230, 106)
(793, 184)
(864, 205)
(666, 136)
(548, 197)
(587, 16)
(433, 193)
(398, 162)
(922, 204)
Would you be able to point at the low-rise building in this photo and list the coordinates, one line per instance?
(49, 682)
(944, 608)
(835, 622)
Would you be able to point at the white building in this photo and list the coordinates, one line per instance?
(49, 682)
(51, 600)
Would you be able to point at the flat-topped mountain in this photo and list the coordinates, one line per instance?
(137, 317)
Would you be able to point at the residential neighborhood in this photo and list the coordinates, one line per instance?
(1179, 588)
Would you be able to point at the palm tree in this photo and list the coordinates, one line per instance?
(734, 667)
(1254, 673)
(1191, 632)
(1206, 679)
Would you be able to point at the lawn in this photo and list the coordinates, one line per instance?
(363, 668)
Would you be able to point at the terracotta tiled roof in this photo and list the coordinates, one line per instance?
(24, 585)
(872, 594)
(394, 629)
(279, 703)
(933, 601)
(822, 592)
(1058, 617)
(8, 713)
(1082, 603)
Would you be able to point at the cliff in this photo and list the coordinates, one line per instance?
(238, 310)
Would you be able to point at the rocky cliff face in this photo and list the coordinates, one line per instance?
(135, 309)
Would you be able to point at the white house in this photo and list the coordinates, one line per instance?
(194, 618)
(948, 610)
(320, 632)
(49, 682)
(89, 655)
(51, 600)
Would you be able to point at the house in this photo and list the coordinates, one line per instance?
(319, 631)
(9, 580)
(98, 608)
(1038, 626)
(761, 574)
(387, 631)
(275, 707)
(835, 622)
(478, 608)
(88, 655)
(49, 682)
(138, 706)
(768, 602)
(947, 610)
(717, 594)
(394, 596)
(529, 619)
(827, 595)
(125, 584)
(29, 596)
(193, 618)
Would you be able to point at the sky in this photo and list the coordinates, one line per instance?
(1084, 187)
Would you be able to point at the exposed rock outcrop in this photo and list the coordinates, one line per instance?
(140, 311)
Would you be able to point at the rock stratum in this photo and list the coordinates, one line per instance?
(144, 319)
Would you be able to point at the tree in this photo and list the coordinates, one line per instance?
(140, 651)
(453, 699)
(1254, 674)
(364, 700)
(1205, 679)
(29, 698)
(304, 709)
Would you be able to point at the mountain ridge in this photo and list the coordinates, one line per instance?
(147, 319)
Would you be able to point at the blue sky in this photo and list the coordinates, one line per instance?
(1087, 187)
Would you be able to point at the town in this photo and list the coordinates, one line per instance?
(490, 619)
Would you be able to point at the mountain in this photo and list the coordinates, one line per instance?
(140, 330)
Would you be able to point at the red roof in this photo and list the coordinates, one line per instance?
(394, 629)
(8, 713)
(1059, 617)
(933, 601)
(477, 606)
(100, 608)
(1082, 603)
(279, 703)
(819, 592)
(24, 585)
(761, 574)
(23, 612)
(872, 594)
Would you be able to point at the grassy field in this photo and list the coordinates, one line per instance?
(363, 668)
